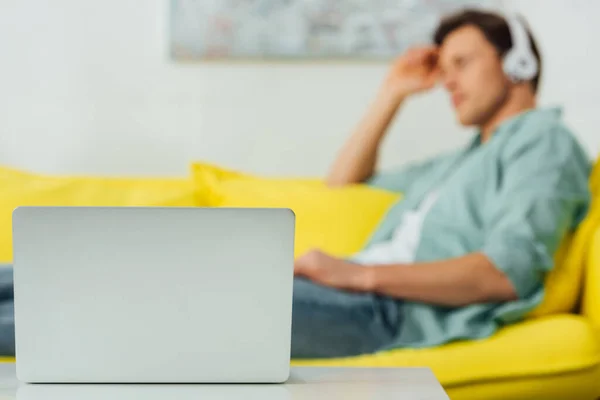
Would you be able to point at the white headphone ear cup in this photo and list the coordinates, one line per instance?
(529, 67)
(519, 66)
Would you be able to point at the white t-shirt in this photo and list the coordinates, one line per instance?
(402, 246)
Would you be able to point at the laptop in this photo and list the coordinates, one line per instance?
(144, 294)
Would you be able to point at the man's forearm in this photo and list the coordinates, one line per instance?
(456, 282)
(357, 159)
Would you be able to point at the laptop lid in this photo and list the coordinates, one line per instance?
(142, 294)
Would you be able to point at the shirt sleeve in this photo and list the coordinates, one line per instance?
(543, 192)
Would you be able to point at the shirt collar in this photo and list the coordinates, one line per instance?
(513, 122)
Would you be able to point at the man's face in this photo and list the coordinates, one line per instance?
(471, 71)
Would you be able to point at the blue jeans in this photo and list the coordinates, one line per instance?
(7, 312)
(326, 322)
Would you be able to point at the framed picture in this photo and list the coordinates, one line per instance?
(305, 29)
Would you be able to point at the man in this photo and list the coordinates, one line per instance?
(467, 248)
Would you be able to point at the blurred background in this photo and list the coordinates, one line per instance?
(91, 88)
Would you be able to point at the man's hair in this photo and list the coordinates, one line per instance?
(494, 28)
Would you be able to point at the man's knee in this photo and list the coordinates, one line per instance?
(309, 293)
(315, 304)
(306, 291)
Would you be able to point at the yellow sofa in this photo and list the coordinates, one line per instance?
(555, 354)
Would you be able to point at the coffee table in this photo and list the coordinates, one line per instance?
(305, 383)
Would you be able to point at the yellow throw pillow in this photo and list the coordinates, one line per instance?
(338, 221)
(18, 188)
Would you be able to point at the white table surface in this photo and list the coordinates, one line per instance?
(305, 383)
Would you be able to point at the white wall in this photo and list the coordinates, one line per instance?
(88, 87)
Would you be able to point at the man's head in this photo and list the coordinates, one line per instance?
(472, 47)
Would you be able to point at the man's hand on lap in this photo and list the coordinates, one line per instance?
(327, 270)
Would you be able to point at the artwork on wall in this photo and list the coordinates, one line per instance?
(305, 29)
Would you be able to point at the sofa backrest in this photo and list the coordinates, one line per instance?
(591, 295)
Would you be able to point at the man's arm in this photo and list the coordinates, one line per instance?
(456, 282)
(453, 283)
(414, 72)
(357, 160)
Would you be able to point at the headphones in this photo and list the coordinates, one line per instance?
(519, 62)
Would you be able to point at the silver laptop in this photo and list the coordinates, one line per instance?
(168, 295)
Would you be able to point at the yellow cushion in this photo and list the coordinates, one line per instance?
(595, 179)
(20, 188)
(591, 299)
(536, 347)
(563, 283)
(338, 221)
(580, 385)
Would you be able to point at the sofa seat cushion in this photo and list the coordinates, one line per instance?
(537, 347)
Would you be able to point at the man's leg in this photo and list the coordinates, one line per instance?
(7, 312)
(327, 322)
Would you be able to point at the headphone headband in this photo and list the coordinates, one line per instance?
(519, 62)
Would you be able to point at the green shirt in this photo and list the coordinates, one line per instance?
(513, 198)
